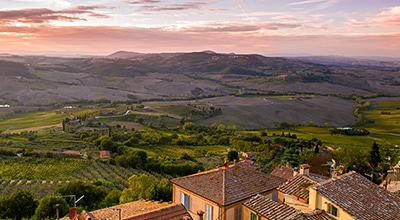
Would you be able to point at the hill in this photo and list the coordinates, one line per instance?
(133, 77)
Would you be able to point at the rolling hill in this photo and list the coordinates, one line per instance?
(129, 76)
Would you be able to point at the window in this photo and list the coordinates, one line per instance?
(209, 212)
(238, 213)
(332, 210)
(253, 216)
(185, 200)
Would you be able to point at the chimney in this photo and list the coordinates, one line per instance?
(295, 171)
(226, 164)
(305, 169)
(200, 213)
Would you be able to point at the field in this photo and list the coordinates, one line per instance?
(43, 175)
(32, 121)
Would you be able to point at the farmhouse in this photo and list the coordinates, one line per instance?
(220, 193)
(105, 154)
(295, 190)
(352, 196)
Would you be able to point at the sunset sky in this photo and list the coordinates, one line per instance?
(268, 27)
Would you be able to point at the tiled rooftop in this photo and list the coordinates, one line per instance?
(283, 172)
(226, 186)
(137, 210)
(317, 215)
(298, 185)
(360, 197)
(270, 209)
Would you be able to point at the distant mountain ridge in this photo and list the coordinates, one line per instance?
(354, 62)
(123, 75)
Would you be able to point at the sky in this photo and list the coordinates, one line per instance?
(267, 27)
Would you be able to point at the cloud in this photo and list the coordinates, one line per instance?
(143, 2)
(175, 7)
(317, 4)
(44, 15)
(390, 17)
(237, 27)
(156, 5)
(306, 2)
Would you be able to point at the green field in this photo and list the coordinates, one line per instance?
(45, 174)
(32, 120)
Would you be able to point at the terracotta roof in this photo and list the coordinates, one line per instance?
(360, 197)
(138, 210)
(317, 215)
(226, 186)
(105, 153)
(71, 152)
(271, 210)
(298, 185)
(283, 172)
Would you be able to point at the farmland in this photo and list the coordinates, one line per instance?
(42, 131)
(166, 120)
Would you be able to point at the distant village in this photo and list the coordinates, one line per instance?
(239, 191)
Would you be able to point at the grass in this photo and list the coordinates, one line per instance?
(32, 120)
(43, 168)
(323, 134)
(181, 110)
(385, 117)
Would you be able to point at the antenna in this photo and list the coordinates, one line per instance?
(78, 200)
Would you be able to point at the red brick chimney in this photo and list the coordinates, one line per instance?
(226, 164)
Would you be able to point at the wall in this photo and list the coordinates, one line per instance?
(196, 203)
(317, 201)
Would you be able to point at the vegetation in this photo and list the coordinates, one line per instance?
(147, 150)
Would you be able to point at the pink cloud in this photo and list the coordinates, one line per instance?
(239, 27)
(44, 15)
(387, 18)
(142, 2)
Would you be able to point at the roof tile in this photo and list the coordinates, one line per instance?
(298, 185)
(360, 197)
(229, 185)
(270, 209)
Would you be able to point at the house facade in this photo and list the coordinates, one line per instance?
(352, 196)
(220, 193)
(295, 191)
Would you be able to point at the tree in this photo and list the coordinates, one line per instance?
(291, 156)
(352, 159)
(20, 204)
(46, 208)
(316, 149)
(112, 198)
(108, 144)
(233, 155)
(139, 188)
(374, 155)
(164, 190)
(93, 194)
(146, 187)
